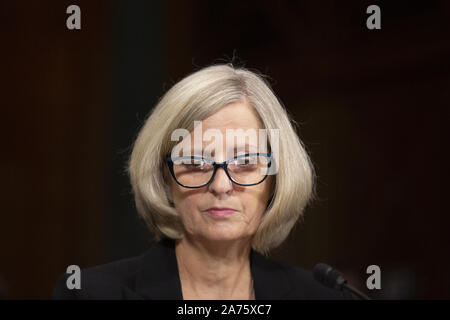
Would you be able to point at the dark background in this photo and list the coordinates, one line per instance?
(372, 107)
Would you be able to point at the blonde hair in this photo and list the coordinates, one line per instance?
(194, 98)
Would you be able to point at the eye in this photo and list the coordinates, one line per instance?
(197, 164)
(244, 162)
(250, 160)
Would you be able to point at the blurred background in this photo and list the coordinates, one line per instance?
(372, 106)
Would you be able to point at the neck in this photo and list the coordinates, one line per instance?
(214, 270)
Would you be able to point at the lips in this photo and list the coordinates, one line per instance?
(221, 212)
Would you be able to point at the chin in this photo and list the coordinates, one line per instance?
(224, 234)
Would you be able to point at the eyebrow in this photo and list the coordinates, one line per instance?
(213, 152)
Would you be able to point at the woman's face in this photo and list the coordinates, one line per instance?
(249, 202)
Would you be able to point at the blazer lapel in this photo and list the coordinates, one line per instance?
(158, 277)
(270, 281)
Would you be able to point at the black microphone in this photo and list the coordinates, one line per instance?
(332, 278)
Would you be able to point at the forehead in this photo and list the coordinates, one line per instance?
(237, 115)
(236, 126)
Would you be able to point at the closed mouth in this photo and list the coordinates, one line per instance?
(220, 212)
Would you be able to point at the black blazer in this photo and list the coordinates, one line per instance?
(154, 275)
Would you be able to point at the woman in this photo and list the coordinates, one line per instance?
(215, 209)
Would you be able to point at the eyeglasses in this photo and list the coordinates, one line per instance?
(196, 172)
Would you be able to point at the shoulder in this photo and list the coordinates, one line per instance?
(277, 280)
(108, 281)
(152, 275)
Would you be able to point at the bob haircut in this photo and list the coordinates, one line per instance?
(195, 98)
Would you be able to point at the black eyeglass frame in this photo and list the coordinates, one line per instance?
(218, 165)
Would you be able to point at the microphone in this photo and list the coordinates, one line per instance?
(332, 278)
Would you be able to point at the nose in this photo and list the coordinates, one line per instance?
(221, 183)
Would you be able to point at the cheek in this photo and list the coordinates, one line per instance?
(254, 204)
(260, 196)
(186, 203)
